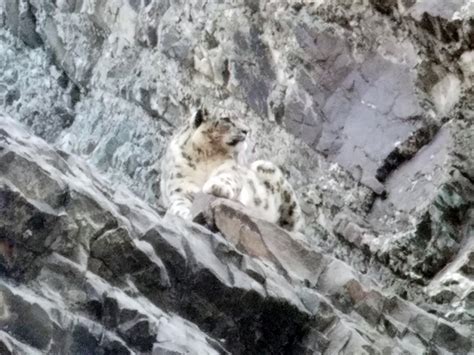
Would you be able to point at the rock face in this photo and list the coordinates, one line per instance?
(367, 106)
(92, 271)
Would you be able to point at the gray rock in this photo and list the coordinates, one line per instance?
(366, 106)
(21, 20)
(26, 321)
(267, 281)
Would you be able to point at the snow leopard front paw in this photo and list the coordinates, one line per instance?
(180, 211)
(219, 189)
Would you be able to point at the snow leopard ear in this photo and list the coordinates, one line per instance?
(200, 117)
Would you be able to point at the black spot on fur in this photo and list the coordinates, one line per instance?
(186, 156)
(189, 196)
(257, 201)
(269, 186)
(287, 224)
(179, 189)
(179, 175)
(198, 118)
(265, 170)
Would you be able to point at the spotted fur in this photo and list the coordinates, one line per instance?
(204, 156)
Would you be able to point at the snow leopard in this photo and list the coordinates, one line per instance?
(205, 156)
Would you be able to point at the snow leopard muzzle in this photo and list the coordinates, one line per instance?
(236, 140)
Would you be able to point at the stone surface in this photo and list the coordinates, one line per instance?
(127, 282)
(366, 106)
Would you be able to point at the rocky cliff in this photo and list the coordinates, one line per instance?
(368, 106)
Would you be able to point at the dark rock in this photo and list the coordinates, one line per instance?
(4, 348)
(83, 341)
(139, 334)
(152, 36)
(21, 20)
(444, 296)
(253, 5)
(27, 26)
(114, 347)
(115, 245)
(255, 80)
(385, 7)
(406, 151)
(256, 90)
(66, 117)
(12, 96)
(449, 339)
(468, 266)
(63, 80)
(26, 321)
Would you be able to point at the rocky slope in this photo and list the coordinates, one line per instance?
(368, 106)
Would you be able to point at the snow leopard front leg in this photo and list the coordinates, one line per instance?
(181, 198)
(181, 207)
(224, 182)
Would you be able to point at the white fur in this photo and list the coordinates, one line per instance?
(261, 187)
